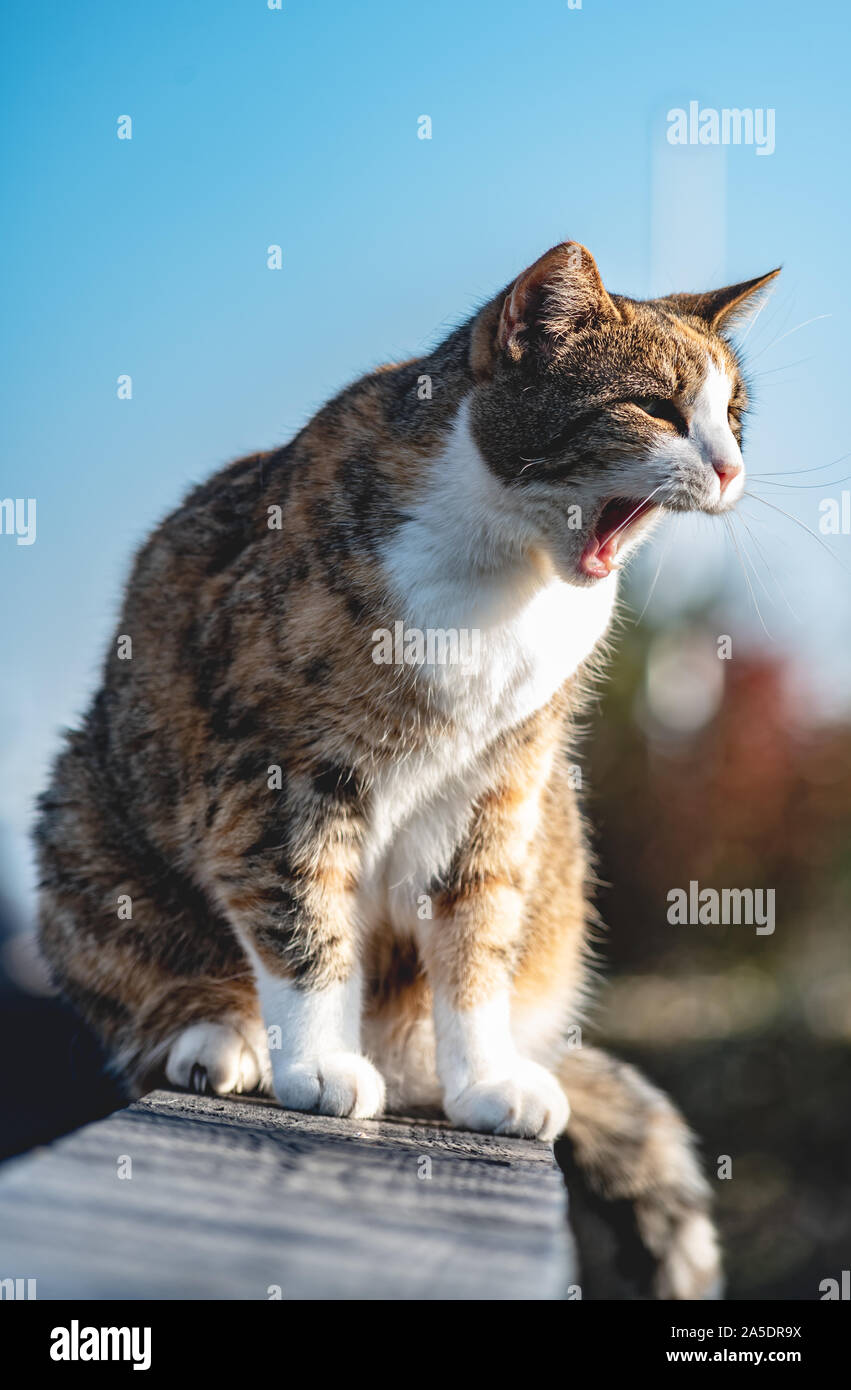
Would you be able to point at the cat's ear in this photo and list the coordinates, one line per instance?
(561, 293)
(722, 308)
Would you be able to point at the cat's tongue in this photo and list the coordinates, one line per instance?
(614, 524)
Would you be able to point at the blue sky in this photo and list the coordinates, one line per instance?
(299, 127)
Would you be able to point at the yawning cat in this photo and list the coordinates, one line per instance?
(270, 858)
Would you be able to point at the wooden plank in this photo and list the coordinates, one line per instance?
(235, 1199)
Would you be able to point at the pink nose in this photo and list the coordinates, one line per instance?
(727, 470)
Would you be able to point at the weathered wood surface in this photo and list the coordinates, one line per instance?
(235, 1199)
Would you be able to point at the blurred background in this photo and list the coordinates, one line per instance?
(717, 772)
(299, 128)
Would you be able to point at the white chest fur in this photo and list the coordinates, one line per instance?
(456, 566)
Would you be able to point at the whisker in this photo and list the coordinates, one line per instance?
(747, 579)
(792, 472)
(780, 589)
(802, 524)
(749, 558)
(801, 487)
(641, 504)
(662, 557)
(758, 376)
(789, 333)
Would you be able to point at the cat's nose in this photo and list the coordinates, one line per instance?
(728, 470)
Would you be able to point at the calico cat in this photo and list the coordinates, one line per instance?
(275, 856)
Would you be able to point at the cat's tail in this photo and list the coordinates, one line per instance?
(639, 1201)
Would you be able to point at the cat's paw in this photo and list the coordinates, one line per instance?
(337, 1083)
(212, 1057)
(528, 1103)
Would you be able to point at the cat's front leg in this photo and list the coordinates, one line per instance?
(470, 948)
(488, 1085)
(314, 1045)
(287, 886)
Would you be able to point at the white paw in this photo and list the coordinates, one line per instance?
(212, 1057)
(528, 1103)
(337, 1083)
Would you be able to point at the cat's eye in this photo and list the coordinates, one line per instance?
(660, 409)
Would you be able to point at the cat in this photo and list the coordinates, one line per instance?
(273, 858)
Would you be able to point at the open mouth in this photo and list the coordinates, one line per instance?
(614, 527)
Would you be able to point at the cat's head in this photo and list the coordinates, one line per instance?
(598, 413)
